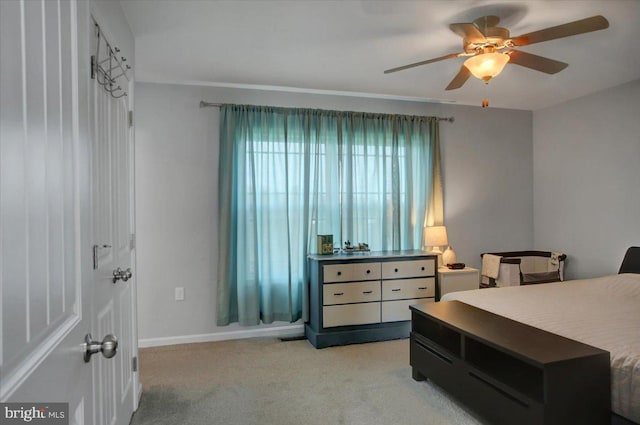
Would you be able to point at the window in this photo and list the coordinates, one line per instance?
(287, 175)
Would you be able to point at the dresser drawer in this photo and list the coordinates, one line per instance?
(351, 272)
(344, 293)
(350, 314)
(394, 311)
(408, 288)
(412, 268)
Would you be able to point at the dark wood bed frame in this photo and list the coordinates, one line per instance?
(509, 372)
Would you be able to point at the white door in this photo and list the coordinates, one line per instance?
(46, 279)
(60, 142)
(112, 238)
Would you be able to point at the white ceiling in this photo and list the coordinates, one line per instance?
(344, 46)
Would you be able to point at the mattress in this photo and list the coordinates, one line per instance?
(602, 312)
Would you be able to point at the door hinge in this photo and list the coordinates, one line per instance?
(132, 241)
(130, 118)
(134, 364)
(93, 67)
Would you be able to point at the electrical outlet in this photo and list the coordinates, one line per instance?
(179, 292)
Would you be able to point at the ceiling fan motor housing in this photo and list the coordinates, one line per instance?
(496, 38)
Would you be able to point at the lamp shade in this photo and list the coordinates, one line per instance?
(487, 65)
(435, 236)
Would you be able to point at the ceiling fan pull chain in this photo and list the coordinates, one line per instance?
(485, 101)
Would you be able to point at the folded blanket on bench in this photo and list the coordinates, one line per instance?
(491, 265)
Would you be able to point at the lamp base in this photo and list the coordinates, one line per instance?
(435, 252)
(449, 256)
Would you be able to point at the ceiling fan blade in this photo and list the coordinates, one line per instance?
(539, 63)
(469, 32)
(486, 22)
(400, 68)
(460, 78)
(594, 23)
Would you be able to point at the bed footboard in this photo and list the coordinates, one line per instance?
(509, 372)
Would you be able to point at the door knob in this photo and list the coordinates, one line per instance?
(124, 275)
(108, 347)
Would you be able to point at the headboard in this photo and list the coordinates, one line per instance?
(631, 261)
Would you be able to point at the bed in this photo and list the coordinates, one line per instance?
(602, 312)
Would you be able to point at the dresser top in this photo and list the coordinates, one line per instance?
(371, 254)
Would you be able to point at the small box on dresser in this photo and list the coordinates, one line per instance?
(356, 298)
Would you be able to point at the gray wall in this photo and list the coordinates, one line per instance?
(487, 166)
(586, 163)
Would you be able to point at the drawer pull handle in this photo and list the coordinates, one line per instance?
(367, 292)
(337, 294)
(422, 268)
(339, 273)
(395, 270)
(395, 290)
(368, 271)
(422, 288)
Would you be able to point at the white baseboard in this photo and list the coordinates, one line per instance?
(279, 331)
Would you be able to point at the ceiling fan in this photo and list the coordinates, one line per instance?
(490, 48)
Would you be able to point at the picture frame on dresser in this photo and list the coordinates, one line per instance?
(356, 298)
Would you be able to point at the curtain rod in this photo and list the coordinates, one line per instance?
(204, 104)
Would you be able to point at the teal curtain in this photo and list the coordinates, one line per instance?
(287, 175)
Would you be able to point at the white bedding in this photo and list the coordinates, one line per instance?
(602, 312)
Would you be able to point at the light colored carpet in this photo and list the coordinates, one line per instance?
(267, 381)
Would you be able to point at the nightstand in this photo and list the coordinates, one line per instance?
(457, 280)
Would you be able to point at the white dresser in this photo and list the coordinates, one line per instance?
(366, 297)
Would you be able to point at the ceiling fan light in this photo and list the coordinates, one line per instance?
(487, 65)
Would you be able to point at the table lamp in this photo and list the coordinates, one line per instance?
(435, 237)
